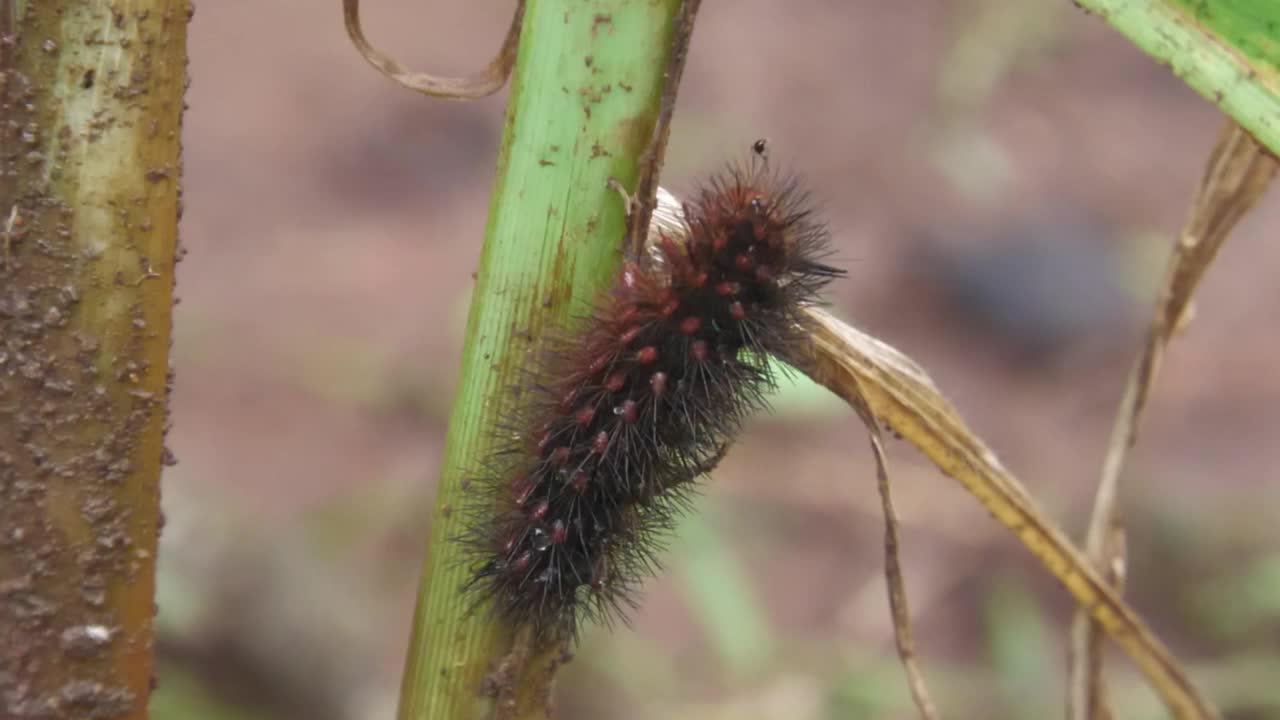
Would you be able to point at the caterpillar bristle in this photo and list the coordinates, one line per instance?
(632, 404)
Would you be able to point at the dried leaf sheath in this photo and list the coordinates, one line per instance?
(859, 368)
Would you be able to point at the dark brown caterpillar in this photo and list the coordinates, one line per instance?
(642, 399)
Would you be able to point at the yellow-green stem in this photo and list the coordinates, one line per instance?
(91, 107)
(584, 101)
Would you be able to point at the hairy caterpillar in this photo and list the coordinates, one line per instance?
(643, 397)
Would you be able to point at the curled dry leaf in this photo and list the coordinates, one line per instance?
(1237, 174)
(865, 371)
(485, 82)
(640, 211)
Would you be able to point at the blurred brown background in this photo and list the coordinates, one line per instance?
(1003, 179)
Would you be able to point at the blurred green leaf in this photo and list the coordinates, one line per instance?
(1242, 601)
(799, 397)
(623, 665)
(1227, 50)
(1018, 644)
(181, 697)
(721, 596)
(180, 608)
(870, 691)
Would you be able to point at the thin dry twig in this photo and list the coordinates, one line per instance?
(903, 636)
(1238, 172)
(485, 82)
(1099, 706)
(642, 203)
(863, 370)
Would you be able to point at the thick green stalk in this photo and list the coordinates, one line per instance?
(91, 107)
(584, 101)
(1227, 50)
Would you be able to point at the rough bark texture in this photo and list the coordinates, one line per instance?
(90, 108)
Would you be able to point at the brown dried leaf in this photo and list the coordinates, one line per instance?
(865, 371)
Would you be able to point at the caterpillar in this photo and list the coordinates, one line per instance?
(641, 398)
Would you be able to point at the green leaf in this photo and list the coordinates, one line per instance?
(1227, 50)
(800, 397)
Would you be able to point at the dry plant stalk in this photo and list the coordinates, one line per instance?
(1114, 573)
(1238, 173)
(486, 82)
(903, 636)
(865, 371)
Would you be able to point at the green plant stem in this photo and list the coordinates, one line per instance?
(91, 98)
(585, 97)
